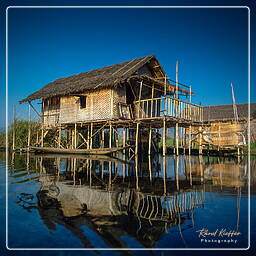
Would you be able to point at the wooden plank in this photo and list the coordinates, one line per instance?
(78, 151)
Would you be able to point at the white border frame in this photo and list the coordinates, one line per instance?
(249, 96)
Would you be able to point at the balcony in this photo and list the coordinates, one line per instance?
(168, 107)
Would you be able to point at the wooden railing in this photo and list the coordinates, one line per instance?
(168, 106)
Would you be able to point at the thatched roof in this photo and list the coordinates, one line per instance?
(225, 112)
(105, 77)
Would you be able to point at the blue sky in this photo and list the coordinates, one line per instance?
(210, 45)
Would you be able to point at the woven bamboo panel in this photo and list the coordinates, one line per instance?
(119, 96)
(98, 107)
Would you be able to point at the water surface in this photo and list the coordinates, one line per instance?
(57, 201)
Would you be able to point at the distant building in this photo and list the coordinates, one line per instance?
(224, 130)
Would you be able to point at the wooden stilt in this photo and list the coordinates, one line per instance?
(184, 140)
(102, 138)
(177, 139)
(42, 137)
(137, 139)
(110, 136)
(164, 174)
(116, 136)
(91, 138)
(200, 140)
(164, 137)
(189, 140)
(29, 126)
(124, 138)
(177, 172)
(75, 136)
(149, 140)
(150, 168)
(88, 137)
(137, 171)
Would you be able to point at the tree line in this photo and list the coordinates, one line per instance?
(19, 129)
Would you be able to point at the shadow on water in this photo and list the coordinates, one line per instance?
(127, 203)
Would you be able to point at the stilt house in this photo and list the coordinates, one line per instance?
(124, 94)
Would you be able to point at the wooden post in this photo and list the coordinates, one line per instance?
(110, 136)
(137, 139)
(184, 140)
(102, 138)
(200, 140)
(14, 127)
(177, 73)
(124, 138)
(177, 172)
(88, 137)
(116, 136)
(75, 136)
(29, 127)
(91, 138)
(189, 140)
(150, 168)
(59, 139)
(164, 174)
(164, 137)
(137, 171)
(141, 83)
(149, 140)
(177, 139)
(42, 137)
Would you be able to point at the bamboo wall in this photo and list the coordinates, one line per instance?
(105, 104)
(222, 134)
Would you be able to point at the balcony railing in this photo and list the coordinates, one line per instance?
(169, 107)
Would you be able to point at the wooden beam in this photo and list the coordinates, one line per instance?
(149, 140)
(59, 138)
(75, 135)
(137, 139)
(124, 138)
(29, 126)
(91, 137)
(110, 136)
(34, 109)
(200, 140)
(164, 137)
(177, 139)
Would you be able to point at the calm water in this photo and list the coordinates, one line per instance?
(71, 202)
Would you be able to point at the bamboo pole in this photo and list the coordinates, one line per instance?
(200, 140)
(177, 172)
(137, 139)
(164, 137)
(91, 138)
(88, 137)
(102, 138)
(124, 138)
(177, 75)
(29, 126)
(110, 136)
(184, 140)
(149, 140)
(14, 127)
(164, 174)
(177, 139)
(59, 139)
(42, 137)
(189, 140)
(150, 168)
(75, 136)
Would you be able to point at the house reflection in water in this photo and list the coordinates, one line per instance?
(77, 192)
(118, 199)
